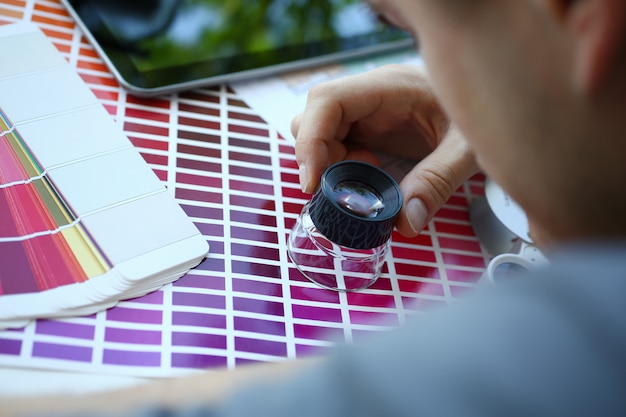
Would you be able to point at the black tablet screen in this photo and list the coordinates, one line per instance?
(154, 43)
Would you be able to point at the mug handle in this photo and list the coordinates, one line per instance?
(528, 258)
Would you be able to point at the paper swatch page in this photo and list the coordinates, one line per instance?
(84, 222)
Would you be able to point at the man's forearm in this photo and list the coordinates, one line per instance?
(207, 387)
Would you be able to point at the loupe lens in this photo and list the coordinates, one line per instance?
(358, 198)
(341, 238)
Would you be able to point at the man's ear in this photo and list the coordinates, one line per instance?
(598, 30)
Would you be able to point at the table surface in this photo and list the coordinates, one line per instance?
(237, 179)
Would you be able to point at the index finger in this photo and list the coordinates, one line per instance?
(330, 110)
(315, 131)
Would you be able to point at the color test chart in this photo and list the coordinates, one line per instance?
(237, 180)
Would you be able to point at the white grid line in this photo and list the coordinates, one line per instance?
(282, 246)
(229, 310)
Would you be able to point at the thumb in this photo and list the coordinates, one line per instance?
(428, 186)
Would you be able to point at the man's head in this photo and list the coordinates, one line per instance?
(539, 89)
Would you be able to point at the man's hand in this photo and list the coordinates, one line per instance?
(392, 110)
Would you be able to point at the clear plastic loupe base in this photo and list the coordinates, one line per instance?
(330, 265)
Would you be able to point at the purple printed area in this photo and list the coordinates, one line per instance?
(10, 347)
(198, 319)
(199, 300)
(418, 287)
(253, 158)
(293, 208)
(370, 317)
(250, 187)
(256, 269)
(260, 326)
(274, 308)
(211, 229)
(200, 137)
(197, 136)
(135, 315)
(247, 130)
(191, 360)
(198, 151)
(255, 251)
(198, 165)
(65, 329)
(250, 144)
(413, 254)
(289, 178)
(201, 180)
(131, 358)
(198, 122)
(203, 212)
(252, 218)
(382, 283)
(135, 336)
(196, 195)
(211, 264)
(371, 300)
(295, 192)
(252, 202)
(65, 352)
(316, 313)
(257, 287)
(217, 247)
(296, 275)
(16, 275)
(412, 270)
(199, 340)
(265, 347)
(255, 235)
(250, 172)
(331, 334)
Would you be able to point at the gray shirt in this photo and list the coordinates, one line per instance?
(551, 343)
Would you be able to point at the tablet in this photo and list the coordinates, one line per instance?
(162, 46)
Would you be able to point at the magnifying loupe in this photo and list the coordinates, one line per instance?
(342, 236)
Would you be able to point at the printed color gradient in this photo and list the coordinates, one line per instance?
(42, 243)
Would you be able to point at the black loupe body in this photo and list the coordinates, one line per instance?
(356, 205)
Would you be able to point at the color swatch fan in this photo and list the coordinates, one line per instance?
(84, 222)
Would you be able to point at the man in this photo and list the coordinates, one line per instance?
(534, 93)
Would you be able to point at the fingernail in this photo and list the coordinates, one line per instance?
(417, 214)
(304, 178)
